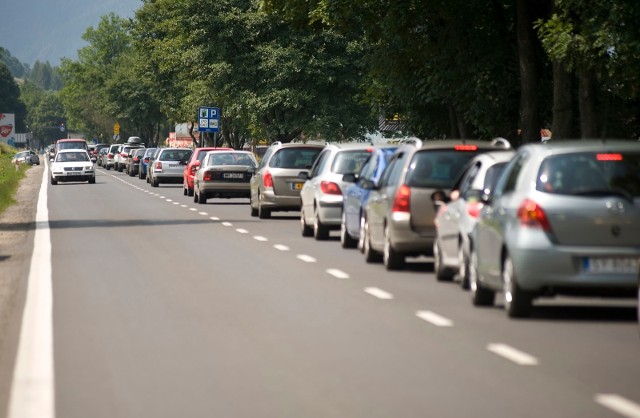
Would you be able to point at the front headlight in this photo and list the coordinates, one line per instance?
(89, 167)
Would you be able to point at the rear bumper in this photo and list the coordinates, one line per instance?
(271, 201)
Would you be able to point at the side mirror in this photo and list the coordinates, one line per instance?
(303, 175)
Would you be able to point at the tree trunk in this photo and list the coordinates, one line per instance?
(586, 103)
(562, 103)
(529, 73)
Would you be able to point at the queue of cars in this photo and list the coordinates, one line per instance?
(543, 220)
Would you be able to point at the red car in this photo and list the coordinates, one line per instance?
(193, 165)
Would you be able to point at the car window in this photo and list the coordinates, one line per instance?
(319, 164)
(469, 177)
(436, 169)
(265, 157)
(393, 171)
(492, 175)
(368, 168)
(300, 158)
(508, 178)
(174, 155)
(72, 157)
(350, 161)
(590, 173)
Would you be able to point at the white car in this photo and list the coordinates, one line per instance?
(72, 165)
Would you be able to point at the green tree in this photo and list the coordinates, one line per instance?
(10, 97)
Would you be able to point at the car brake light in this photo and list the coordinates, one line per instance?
(208, 175)
(609, 157)
(473, 209)
(267, 180)
(110, 155)
(146, 160)
(532, 214)
(329, 187)
(402, 201)
(136, 159)
(123, 154)
(158, 165)
(465, 147)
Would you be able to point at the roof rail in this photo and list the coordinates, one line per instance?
(276, 143)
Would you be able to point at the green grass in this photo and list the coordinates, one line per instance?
(9, 176)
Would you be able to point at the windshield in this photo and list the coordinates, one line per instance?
(591, 173)
(72, 157)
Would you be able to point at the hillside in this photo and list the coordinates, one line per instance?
(47, 30)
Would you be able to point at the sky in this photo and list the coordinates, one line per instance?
(48, 30)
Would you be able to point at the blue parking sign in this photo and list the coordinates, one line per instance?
(208, 119)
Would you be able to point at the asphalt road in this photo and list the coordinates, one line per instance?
(166, 308)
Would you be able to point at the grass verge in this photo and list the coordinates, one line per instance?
(9, 176)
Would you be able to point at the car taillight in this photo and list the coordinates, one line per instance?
(110, 155)
(145, 160)
(136, 159)
(473, 209)
(465, 147)
(124, 155)
(267, 180)
(208, 176)
(158, 165)
(402, 202)
(329, 187)
(532, 214)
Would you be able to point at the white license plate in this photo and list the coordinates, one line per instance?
(233, 175)
(296, 186)
(621, 265)
(173, 165)
(74, 173)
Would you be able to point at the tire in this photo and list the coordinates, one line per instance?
(200, 198)
(263, 213)
(154, 182)
(517, 302)
(463, 272)
(92, 180)
(346, 240)
(108, 167)
(140, 174)
(120, 168)
(147, 179)
(53, 181)
(442, 273)
(370, 255)
(320, 231)
(361, 237)
(184, 190)
(392, 259)
(480, 295)
(306, 230)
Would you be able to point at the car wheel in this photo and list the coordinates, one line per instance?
(480, 295)
(361, 236)
(53, 181)
(120, 168)
(254, 210)
(392, 259)
(320, 231)
(92, 180)
(108, 167)
(200, 197)
(463, 270)
(443, 274)
(370, 255)
(147, 179)
(517, 302)
(345, 238)
(154, 182)
(263, 213)
(139, 174)
(184, 190)
(307, 231)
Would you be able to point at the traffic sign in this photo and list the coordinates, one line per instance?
(116, 128)
(208, 119)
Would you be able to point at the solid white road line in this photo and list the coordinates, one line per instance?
(619, 404)
(260, 238)
(434, 319)
(513, 354)
(242, 231)
(338, 274)
(379, 293)
(306, 258)
(281, 247)
(33, 386)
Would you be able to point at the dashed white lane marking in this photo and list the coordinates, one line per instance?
(434, 319)
(162, 197)
(281, 247)
(226, 224)
(193, 209)
(379, 293)
(33, 385)
(176, 203)
(619, 404)
(306, 258)
(338, 274)
(260, 238)
(183, 206)
(214, 218)
(513, 354)
(242, 231)
(169, 200)
(203, 213)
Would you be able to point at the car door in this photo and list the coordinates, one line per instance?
(310, 188)
(354, 195)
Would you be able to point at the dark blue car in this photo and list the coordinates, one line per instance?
(144, 162)
(356, 195)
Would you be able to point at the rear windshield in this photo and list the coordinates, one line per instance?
(437, 169)
(350, 162)
(230, 158)
(175, 155)
(591, 174)
(301, 158)
(72, 145)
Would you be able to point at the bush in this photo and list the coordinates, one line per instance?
(9, 176)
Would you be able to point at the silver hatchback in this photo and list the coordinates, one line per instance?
(168, 165)
(564, 218)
